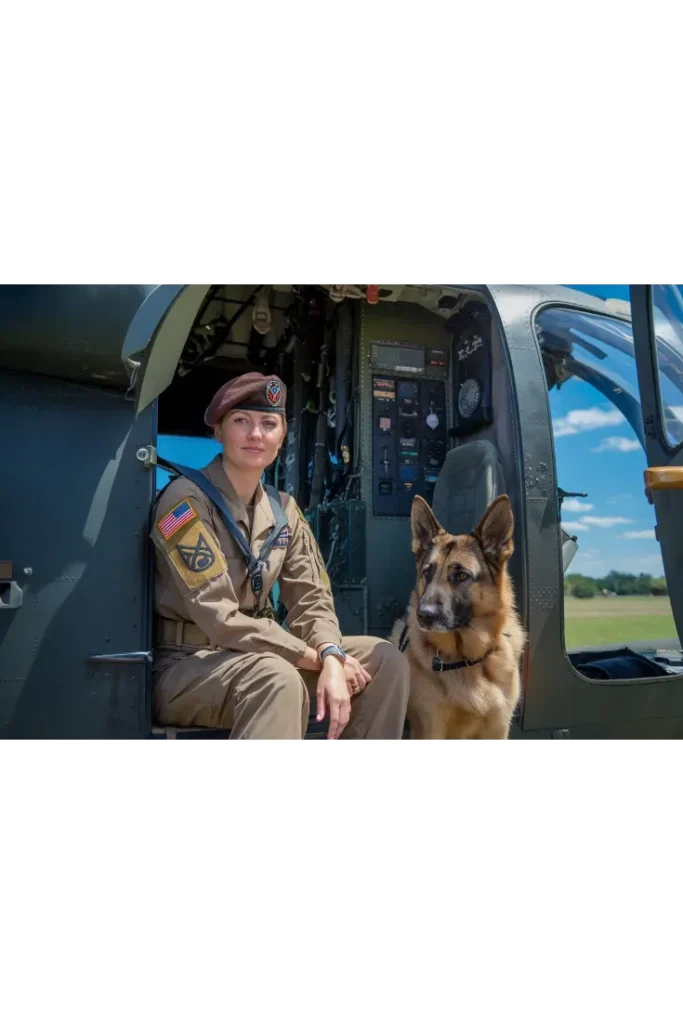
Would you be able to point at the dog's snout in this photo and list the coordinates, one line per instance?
(427, 614)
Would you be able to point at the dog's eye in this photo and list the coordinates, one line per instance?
(428, 572)
(461, 576)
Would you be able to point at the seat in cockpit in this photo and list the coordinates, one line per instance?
(470, 478)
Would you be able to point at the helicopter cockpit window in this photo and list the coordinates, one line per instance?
(615, 592)
(667, 303)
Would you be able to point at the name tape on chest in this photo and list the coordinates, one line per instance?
(283, 539)
(183, 513)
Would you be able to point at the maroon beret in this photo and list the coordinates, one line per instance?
(251, 391)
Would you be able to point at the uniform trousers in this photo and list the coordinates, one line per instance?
(262, 696)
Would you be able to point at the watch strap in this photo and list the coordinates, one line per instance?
(332, 649)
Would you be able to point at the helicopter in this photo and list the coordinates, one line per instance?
(394, 390)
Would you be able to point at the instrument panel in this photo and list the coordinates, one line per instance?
(409, 423)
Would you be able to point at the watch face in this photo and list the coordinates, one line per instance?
(469, 397)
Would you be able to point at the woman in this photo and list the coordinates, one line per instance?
(221, 660)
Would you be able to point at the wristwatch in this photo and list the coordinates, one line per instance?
(332, 649)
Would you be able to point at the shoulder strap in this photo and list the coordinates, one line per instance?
(254, 565)
(274, 496)
(280, 517)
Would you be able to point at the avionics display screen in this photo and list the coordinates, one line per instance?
(398, 358)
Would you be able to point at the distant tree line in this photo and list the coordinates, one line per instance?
(621, 583)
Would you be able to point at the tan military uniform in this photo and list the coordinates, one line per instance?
(220, 660)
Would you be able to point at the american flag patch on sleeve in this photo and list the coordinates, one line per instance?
(177, 517)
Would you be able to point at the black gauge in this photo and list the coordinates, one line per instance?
(469, 397)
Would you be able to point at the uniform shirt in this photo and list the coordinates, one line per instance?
(201, 575)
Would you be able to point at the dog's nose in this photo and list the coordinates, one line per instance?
(427, 614)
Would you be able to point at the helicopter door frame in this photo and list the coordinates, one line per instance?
(156, 337)
(663, 493)
(556, 697)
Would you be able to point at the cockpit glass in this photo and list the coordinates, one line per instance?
(667, 310)
(614, 586)
(600, 349)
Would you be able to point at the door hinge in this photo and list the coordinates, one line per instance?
(147, 456)
(11, 594)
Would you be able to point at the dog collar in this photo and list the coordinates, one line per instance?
(443, 666)
(446, 666)
(438, 666)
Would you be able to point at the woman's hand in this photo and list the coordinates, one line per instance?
(333, 694)
(356, 676)
(310, 661)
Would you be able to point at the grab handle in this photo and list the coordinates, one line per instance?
(663, 478)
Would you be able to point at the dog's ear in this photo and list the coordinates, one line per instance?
(495, 530)
(423, 524)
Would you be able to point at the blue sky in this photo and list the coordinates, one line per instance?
(187, 451)
(597, 452)
(604, 291)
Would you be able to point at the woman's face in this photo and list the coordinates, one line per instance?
(251, 440)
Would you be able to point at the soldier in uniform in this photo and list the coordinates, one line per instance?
(221, 659)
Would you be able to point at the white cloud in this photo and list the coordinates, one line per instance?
(677, 411)
(573, 527)
(604, 521)
(574, 505)
(618, 444)
(579, 420)
(639, 534)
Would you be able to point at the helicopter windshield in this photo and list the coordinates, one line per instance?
(599, 350)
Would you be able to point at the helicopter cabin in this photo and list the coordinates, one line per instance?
(457, 393)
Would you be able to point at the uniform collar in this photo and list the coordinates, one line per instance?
(263, 514)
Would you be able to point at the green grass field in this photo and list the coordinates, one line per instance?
(607, 620)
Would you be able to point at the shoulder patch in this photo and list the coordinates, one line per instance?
(282, 539)
(198, 559)
(183, 513)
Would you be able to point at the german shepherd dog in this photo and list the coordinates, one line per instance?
(461, 633)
